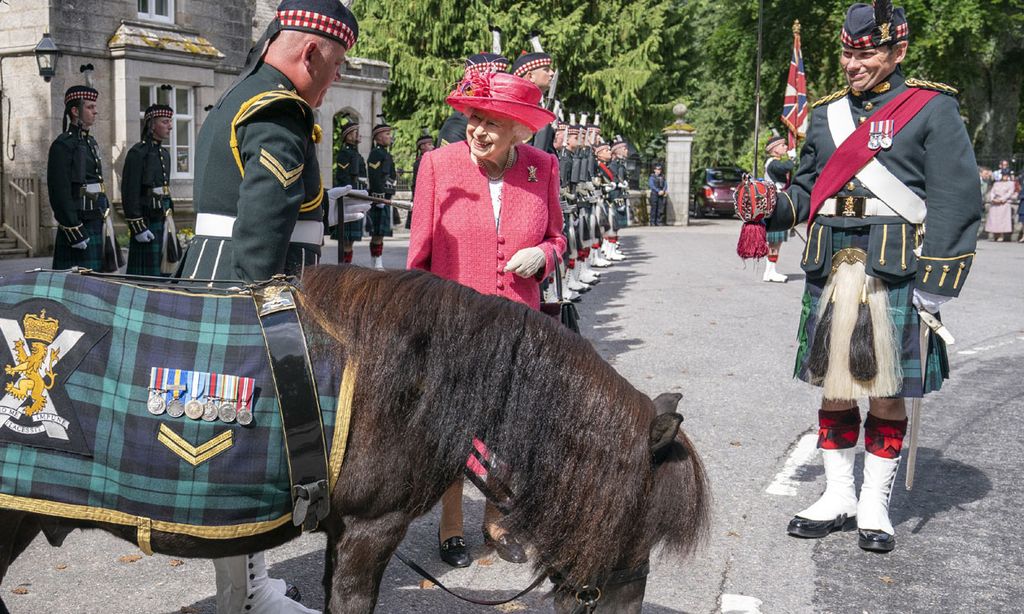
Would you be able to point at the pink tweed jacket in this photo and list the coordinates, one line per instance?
(453, 233)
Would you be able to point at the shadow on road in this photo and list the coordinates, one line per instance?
(941, 485)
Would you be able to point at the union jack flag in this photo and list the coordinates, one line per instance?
(794, 105)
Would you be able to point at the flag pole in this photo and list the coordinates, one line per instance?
(757, 85)
(795, 130)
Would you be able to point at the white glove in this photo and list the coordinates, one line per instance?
(928, 301)
(792, 154)
(355, 207)
(338, 191)
(609, 187)
(145, 236)
(526, 262)
(81, 244)
(624, 185)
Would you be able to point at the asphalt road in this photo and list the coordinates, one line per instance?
(684, 314)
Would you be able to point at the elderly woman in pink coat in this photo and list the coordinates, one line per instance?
(488, 217)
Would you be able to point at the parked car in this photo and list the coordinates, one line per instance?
(713, 189)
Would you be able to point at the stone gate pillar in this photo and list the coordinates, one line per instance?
(677, 167)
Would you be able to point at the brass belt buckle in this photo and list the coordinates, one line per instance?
(851, 206)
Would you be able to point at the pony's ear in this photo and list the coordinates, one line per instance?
(663, 431)
(667, 402)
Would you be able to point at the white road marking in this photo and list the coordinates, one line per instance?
(740, 604)
(784, 483)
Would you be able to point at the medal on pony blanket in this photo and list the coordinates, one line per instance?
(156, 404)
(193, 407)
(210, 406)
(175, 407)
(227, 411)
(755, 202)
(245, 390)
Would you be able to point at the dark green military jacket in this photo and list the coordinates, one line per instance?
(73, 163)
(256, 162)
(931, 155)
(381, 172)
(145, 184)
(350, 168)
(565, 164)
(453, 130)
(620, 176)
(544, 139)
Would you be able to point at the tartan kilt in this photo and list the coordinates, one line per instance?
(778, 236)
(619, 207)
(904, 317)
(378, 221)
(144, 258)
(65, 256)
(352, 231)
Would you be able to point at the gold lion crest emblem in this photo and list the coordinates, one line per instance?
(34, 378)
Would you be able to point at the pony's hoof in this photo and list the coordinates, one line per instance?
(455, 553)
(507, 547)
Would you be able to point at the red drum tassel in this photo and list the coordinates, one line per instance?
(753, 241)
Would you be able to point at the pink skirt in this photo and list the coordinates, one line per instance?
(999, 219)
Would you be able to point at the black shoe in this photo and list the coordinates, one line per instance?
(875, 541)
(814, 529)
(455, 553)
(507, 547)
(292, 592)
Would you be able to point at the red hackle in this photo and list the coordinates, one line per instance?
(755, 202)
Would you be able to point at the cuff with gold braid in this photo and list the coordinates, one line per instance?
(943, 276)
(137, 225)
(73, 234)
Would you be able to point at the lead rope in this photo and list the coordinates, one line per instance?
(422, 572)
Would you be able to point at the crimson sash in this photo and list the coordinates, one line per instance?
(853, 153)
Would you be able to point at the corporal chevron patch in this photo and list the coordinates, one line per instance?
(272, 164)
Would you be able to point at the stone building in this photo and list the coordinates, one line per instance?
(135, 52)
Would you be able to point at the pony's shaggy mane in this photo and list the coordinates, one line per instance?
(441, 363)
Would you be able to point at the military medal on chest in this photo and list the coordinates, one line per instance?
(880, 134)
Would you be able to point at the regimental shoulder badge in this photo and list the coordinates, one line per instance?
(45, 344)
(836, 95)
(933, 85)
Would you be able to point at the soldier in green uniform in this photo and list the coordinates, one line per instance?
(350, 169)
(383, 181)
(536, 67)
(618, 197)
(778, 169)
(259, 198)
(259, 194)
(453, 129)
(146, 195)
(876, 256)
(74, 180)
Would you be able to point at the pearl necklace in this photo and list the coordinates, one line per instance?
(510, 159)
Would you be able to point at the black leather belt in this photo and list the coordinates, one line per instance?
(300, 406)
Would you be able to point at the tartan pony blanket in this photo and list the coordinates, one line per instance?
(151, 407)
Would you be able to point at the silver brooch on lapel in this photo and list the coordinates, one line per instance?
(533, 174)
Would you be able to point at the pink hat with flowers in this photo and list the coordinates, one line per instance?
(503, 95)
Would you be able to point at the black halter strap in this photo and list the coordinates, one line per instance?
(426, 575)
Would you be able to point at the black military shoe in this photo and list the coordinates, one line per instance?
(292, 592)
(875, 541)
(455, 553)
(507, 547)
(815, 529)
